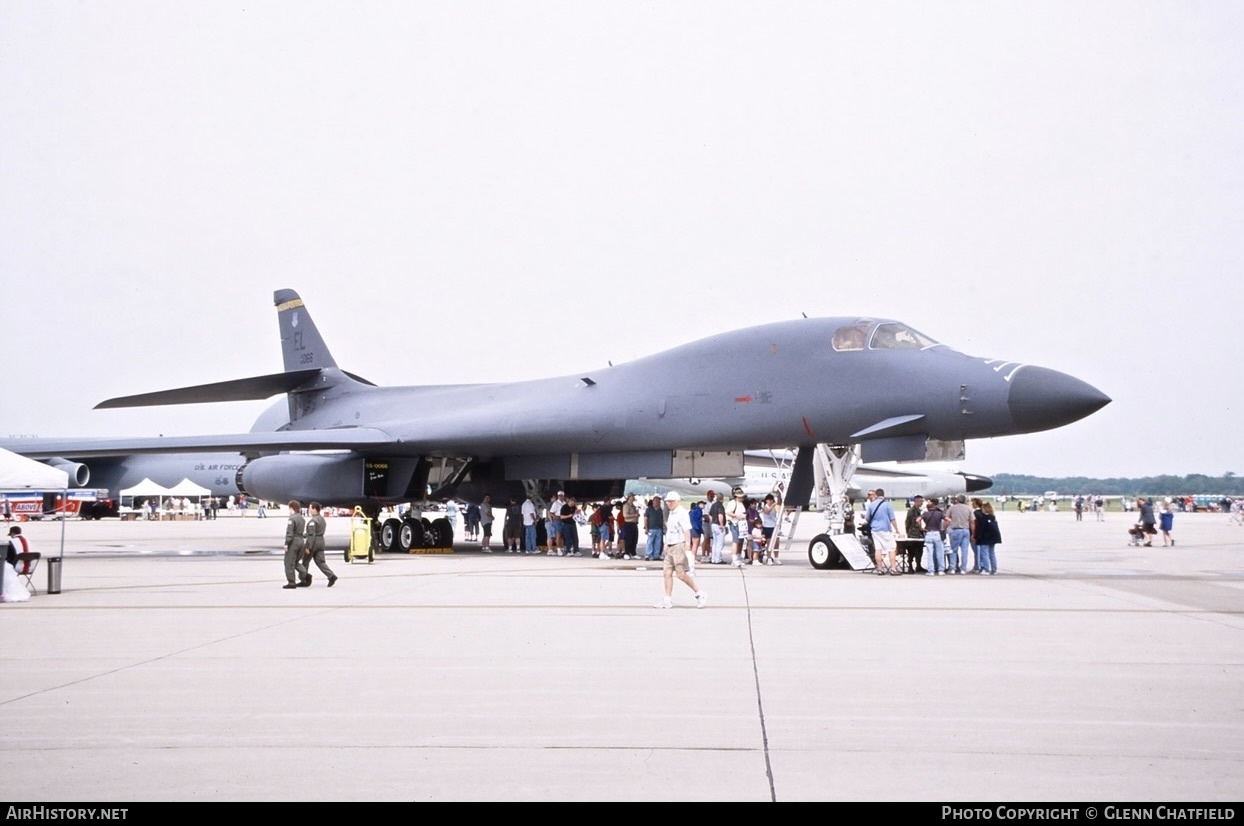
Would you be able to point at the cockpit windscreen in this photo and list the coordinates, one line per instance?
(888, 335)
(895, 336)
(850, 337)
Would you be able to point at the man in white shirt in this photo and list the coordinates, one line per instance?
(529, 525)
(451, 513)
(736, 520)
(677, 536)
(553, 524)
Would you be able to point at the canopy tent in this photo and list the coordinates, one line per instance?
(145, 488)
(187, 488)
(167, 499)
(19, 473)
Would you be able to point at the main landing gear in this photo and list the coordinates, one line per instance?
(410, 535)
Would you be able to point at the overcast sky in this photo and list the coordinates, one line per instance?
(487, 191)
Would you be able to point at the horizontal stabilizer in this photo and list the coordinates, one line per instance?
(237, 390)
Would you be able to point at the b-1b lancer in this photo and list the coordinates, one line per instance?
(875, 386)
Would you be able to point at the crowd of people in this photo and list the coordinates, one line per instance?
(957, 540)
(674, 535)
(207, 507)
(741, 531)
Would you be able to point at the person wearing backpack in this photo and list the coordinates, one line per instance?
(987, 537)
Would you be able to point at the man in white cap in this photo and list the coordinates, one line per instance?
(677, 535)
(553, 524)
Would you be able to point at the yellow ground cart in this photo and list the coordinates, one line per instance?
(362, 546)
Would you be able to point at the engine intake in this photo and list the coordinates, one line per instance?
(79, 474)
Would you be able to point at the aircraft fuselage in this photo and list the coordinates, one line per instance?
(766, 387)
(689, 411)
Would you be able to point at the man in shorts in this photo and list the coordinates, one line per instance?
(736, 520)
(677, 536)
(883, 524)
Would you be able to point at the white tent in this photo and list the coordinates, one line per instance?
(19, 473)
(187, 488)
(152, 492)
(146, 488)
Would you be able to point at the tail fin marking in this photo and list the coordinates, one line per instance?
(302, 346)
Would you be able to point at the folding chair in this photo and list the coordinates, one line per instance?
(26, 565)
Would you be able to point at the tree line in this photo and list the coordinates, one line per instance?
(1008, 484)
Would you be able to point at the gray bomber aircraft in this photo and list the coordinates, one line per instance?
(866, 386)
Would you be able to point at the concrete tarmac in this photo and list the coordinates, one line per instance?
(173, 667)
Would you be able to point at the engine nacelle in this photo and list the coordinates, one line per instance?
(329, 479)
(346, 479)
(339, 479)
(79, 474)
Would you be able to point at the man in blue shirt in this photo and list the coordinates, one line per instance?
(883, 524)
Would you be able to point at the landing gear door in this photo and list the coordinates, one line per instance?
(375, 478)
(395, 480)
(699, 464)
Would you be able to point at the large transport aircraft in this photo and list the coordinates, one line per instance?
(840, 385)
(770, 471)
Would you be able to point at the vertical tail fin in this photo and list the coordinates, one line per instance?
(302, 347)
(305, 353)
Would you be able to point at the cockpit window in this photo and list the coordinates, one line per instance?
(850, 338)
(895, 336)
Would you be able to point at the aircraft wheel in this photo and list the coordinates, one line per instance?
(822, 553)
(443, 532)
(389, 535)
(410, 536)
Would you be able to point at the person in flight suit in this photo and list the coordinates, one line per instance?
(294, 530)
(316, 526)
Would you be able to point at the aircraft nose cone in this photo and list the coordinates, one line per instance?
(1041, 399)
(975, 483)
